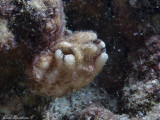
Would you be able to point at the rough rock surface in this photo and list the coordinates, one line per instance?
(127, 88)
(143, 87)
(68, 107)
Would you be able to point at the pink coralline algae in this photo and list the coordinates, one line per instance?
(96, 112)
(57, 60)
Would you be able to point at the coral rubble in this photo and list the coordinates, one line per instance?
(96, 113)
(143, 88)
(71, 106)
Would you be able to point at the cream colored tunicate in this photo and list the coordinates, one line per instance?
(76, 60)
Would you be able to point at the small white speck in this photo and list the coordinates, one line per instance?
(119, 50)
(135, 34)
(154, 81)
(38, 76)
(141, 34)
